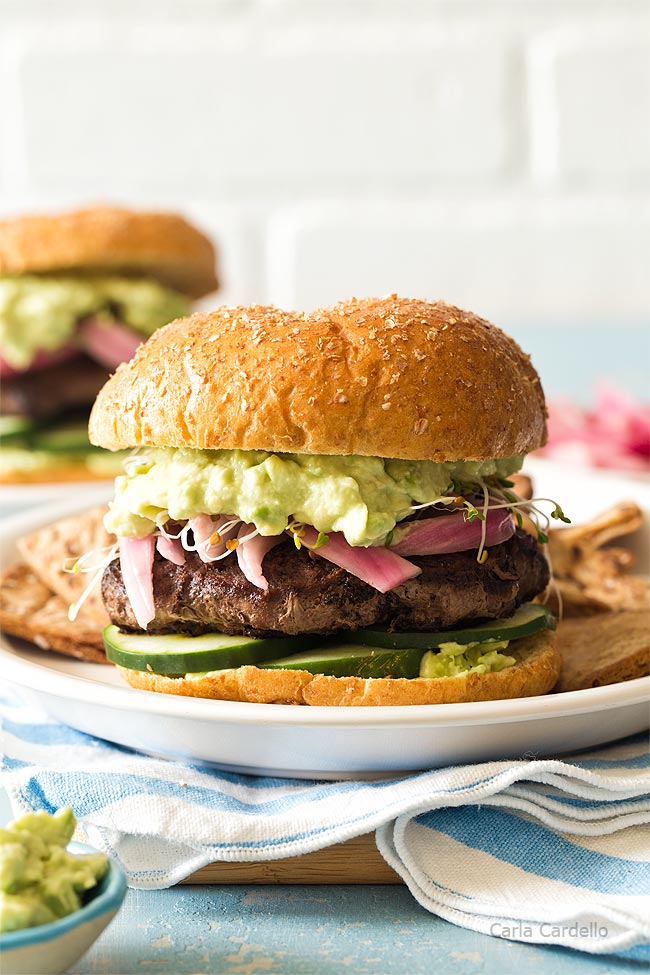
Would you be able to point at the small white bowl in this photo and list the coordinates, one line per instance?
(51, 949)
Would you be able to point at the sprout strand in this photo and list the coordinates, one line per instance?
(73, 611)
(486, 503)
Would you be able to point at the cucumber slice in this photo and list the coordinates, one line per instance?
(63, 438)
(528, 619)
(17, 427)
(174, 654)
(348, 660)
(70, 436)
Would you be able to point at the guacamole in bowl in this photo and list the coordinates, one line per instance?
(56, 896)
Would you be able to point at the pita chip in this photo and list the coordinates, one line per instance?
(28, 609)
(46, 550)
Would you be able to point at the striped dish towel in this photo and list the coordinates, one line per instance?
(548, 851)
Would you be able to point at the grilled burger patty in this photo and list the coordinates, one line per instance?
(307, 594)
(47, 393)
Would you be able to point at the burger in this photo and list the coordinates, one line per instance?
(319, 509)
(78, 293)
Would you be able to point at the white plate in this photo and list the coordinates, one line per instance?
(19, 497)
(331, 742)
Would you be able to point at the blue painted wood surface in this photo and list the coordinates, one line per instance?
(310, 930)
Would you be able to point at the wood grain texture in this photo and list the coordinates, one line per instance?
(356, 861)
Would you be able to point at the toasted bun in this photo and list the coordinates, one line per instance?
(102, 238)
(54, 473)
(388, 377)
(536, 672)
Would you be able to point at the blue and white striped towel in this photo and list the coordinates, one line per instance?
(545, 851)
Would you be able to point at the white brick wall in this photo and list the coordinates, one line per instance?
(545, 260)
(234, 118)
(493, 153)
(590, 106)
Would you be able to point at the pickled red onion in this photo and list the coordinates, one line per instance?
(452, 533)
(171, 549)
(42, 360)
(107, 341)
(203, 528)
(251, 552)
(136, 561)
(378, 566)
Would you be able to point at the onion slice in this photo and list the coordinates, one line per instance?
(136, 561)
(42, 360)
(452, 533)
(251, 552)
(171, 549)
(203, 528)
(380, 567)
(107, 341)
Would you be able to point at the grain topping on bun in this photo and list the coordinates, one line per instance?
(114, 240)
(388, 377)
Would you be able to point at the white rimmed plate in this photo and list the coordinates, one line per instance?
(330, 742)
(15, 498)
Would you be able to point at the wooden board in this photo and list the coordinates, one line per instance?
(356, 861)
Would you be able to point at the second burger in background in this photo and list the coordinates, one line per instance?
(79, 292)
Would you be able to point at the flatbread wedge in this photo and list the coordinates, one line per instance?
(29, 610)
(603, 649)
(590, 574)
(46, 550)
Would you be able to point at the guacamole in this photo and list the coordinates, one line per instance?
(362, 497)
(41, 312)
(40, 881)
(458, 659)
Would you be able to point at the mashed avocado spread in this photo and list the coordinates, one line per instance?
(456, 659)
(40, 881)
(363, 497)
(41, 312)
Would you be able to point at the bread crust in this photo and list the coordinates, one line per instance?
(604, 649)
(111, 239)
(390, 377)
(56, 473)
(536, 672)
(31, 611)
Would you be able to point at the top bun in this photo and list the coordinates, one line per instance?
(389, 377)
(163, 246)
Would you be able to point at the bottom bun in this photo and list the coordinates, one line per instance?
(536, 672)
(21, 465)
(56, 474)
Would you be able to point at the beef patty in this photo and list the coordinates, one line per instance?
(48, 393)
(307, 594)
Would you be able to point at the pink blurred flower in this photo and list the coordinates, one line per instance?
(615, 433)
